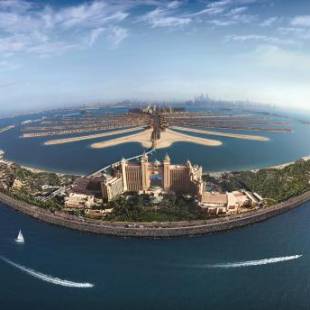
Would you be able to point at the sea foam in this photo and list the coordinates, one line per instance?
(47, 278)
(258, 262)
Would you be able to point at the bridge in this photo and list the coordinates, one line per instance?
(98, 172)
(102, 170)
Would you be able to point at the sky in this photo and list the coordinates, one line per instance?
(58, 53)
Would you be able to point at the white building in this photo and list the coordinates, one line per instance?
(225, 203)
(79, 201)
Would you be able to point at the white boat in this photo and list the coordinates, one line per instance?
(20, 238)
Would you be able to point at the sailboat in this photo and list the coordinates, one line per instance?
(20, 238)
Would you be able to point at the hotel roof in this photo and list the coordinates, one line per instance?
(214, 198)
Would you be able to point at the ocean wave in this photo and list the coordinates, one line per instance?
(47, 278)
(258, 262)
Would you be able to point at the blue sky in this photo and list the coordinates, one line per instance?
(55, 53)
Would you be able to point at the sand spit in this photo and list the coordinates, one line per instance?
(143, 138)
(168, 137)
(2, 130)
(89, 137)
(224, 134)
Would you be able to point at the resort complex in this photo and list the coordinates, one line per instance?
(139, 197)
(142, 189)
(157, 181)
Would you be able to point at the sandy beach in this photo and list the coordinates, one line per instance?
(168, 137)
(281, 166)
(89, 137)
(142, 137)
(224, 134)
(34, 170)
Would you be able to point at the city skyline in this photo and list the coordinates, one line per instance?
(56, 53)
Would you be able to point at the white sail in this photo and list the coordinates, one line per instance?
(20, 238)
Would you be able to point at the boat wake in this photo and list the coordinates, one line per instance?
(47, 278)
(258, 262)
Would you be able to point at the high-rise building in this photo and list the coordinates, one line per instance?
(144, 176)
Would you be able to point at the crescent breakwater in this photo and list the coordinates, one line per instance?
(92, 136)
(154, 229)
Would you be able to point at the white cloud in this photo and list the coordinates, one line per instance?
(224, 8)
(52, 48)
(269, 21)
(174, 4)
(16, 5)
(160, 18)
(221, 22)
(213, 8)
(284, 59)
(33, 27)
(117, 35)
(89, 15)
(29, 26)
(37, 28)
(237, 11)
(297, 32)
(220, 4)
(233, 20)
(95, 34)
(261, 38)
(303, 21)
(12, 44)
(226, 12)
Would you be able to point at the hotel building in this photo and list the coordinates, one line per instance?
(164, 177)
(145, 176)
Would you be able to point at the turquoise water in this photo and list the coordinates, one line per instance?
(157, 274)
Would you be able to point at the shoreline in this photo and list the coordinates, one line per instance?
(33, 169)
(154, 229)
(211, 173)
(279, 166)
(42, 170)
